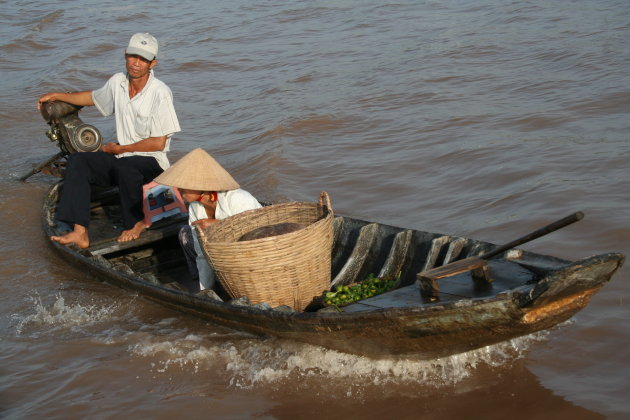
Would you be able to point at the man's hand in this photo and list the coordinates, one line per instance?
(113, 148)
(47, 97)
(150, 144)
(75, 98)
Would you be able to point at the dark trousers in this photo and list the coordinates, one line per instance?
(129, 174)
(186, 241)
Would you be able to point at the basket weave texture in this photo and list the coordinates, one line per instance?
(289, 269)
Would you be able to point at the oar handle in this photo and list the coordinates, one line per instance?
(536, 234)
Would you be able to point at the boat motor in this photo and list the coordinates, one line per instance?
(71, 134)
(66, 128)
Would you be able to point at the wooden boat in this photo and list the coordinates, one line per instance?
(529, 291)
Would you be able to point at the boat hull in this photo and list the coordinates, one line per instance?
(413, 328)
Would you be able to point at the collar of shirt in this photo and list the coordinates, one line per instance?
(125, 85)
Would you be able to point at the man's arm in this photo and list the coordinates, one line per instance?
(75, 98)
(151, 144)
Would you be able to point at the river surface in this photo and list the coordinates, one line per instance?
(483, 119)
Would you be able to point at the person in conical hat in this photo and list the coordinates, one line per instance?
(212, 195)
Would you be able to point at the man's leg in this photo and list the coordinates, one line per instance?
(130, 174)
(82, 170)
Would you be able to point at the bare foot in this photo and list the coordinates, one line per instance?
(133, 233)
(79, 237)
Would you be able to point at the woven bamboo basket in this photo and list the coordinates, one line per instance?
(288, 269)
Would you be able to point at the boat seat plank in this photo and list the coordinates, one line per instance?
(110, 245)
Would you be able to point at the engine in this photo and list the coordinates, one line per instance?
(66, 128)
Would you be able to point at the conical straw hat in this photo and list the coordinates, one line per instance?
(198, 171)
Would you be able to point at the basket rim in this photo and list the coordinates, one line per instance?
(268, 238)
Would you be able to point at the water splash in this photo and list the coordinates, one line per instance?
(252, 362)
(176, 345)
(61, 315)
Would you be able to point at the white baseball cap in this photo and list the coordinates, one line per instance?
(143, 44)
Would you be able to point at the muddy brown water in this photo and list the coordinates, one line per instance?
(481, 119)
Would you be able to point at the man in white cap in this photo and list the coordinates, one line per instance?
(213, 195)
(145, 122)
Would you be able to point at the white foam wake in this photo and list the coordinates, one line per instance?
(252, 361)
(179, 344)
(61, 315)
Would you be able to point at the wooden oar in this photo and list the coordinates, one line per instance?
(428, 279)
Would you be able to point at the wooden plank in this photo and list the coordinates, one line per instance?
(397, 255)
(434, 252)
(403, 297)
(407, 296)
(478, 265)
(109, 246)
(429, 279)
(507, 275)
(453, 268)
(454, 249)
(358, 258)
